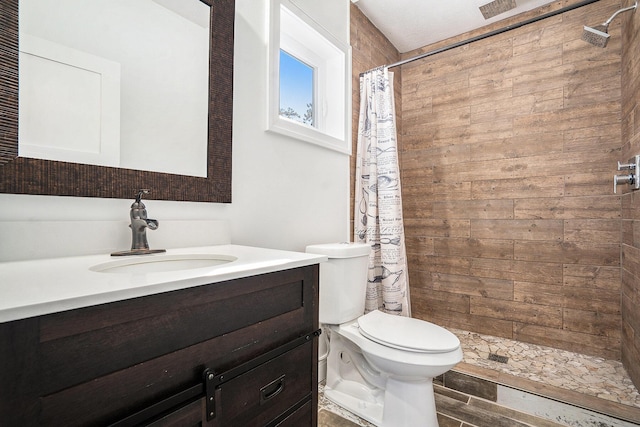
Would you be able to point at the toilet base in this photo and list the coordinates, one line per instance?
(383, 401)
(346, 396)
(415, 409)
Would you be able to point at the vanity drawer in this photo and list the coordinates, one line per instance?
(261, 395)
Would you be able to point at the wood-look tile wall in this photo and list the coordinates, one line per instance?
(631, 200)
(508, 148)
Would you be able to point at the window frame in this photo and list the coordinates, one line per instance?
(301, 37)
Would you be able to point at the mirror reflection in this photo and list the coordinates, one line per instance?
(115, 83)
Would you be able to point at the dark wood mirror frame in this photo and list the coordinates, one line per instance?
(32, 176)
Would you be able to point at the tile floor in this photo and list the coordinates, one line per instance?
(584, 378)
(454, 410)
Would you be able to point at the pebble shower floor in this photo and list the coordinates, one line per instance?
(590, 375)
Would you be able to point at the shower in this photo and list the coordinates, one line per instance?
(598, 35)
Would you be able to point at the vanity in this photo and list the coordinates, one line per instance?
(221, 336)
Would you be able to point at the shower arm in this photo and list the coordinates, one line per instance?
(626, 9)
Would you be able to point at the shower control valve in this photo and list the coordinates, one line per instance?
(633, 165)
(622, 179)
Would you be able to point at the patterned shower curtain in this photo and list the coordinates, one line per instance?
(378, 200)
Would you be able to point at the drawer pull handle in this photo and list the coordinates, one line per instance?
(271, 390)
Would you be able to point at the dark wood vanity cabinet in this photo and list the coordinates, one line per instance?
(237, 353)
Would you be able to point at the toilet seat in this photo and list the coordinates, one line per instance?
(411, 359)
(405, 333)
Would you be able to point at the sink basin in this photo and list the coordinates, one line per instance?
(162, 263)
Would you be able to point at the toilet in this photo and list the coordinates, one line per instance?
(380, 366)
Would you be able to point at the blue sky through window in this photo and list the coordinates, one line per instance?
(296, 86)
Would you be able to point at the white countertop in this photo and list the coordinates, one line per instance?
(44, 286)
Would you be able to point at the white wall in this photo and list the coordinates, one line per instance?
(286, 194)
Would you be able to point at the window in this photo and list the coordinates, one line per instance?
(310, 82)
(296, 89)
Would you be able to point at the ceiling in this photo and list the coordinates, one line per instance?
(410, 24)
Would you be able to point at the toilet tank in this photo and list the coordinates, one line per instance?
(343, 281)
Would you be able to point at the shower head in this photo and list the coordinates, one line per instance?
(496, 7)
(598, 34)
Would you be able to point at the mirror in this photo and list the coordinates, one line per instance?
(115, 83)
(22, 175)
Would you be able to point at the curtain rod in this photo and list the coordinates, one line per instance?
(492, 33)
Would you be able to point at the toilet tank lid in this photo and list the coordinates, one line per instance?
(340, 250)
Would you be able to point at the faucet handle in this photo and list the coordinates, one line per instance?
(141, 192)
(629, 166)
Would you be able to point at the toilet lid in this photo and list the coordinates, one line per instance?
(406, 333)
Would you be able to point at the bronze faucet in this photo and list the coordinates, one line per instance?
(139, 225)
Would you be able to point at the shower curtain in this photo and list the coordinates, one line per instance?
(378, 200)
